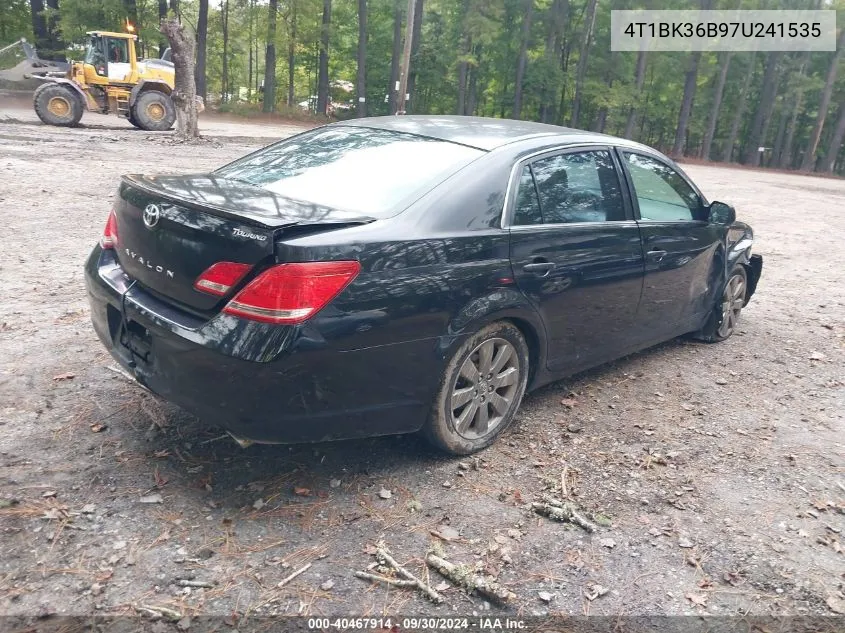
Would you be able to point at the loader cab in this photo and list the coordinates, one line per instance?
(111, 58)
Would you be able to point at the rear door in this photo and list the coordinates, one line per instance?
(682, 250)
(576, 253)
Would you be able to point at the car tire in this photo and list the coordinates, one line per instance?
(722, 321)
(56, 104)
(472, 409)
(154, 111)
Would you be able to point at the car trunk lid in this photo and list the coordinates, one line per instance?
(171, 229)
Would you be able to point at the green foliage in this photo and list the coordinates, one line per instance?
(482, 37)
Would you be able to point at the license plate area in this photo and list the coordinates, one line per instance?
(136, 339)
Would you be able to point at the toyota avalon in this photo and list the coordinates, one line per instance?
(402, 274)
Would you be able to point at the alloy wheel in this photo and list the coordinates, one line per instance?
(733, 300)
(485, 389)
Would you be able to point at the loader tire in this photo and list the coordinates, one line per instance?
(56, 104)
(132, 118)
(154, 111)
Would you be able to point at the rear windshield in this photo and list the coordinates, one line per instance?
(375, 172)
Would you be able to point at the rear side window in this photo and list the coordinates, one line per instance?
(569, 188)
(370, 171)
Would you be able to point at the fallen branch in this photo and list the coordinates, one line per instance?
(202, 584)
(564, 513)
(294, 575)
(170, 614)
(396, 582)
(463, 577)
(384, 555)
(563, 491)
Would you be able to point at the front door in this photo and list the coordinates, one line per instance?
(683, 252)
(576, 253)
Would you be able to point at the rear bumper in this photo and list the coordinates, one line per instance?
(261, 382)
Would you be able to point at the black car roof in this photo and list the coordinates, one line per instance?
(480, 132)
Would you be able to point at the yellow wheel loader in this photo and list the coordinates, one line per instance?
(111, 79)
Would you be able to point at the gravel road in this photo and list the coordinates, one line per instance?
(715, 472)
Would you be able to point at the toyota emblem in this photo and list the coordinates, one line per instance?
(152, 213)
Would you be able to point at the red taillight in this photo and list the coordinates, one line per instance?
(219, 278)
(109, 239)
(292, 293)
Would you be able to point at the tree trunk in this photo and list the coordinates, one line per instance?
(522, 60)
(174, 7)
(462, 86)
(809, 161)
(774, 159)
(785, 159)
(638, 85)
(162, 16)
(415, 51)
(323, 76)
(829, 160)
(269, 98)
(717, 106)
(184, 95)
(472, 97)
(763, 113)
(396, 57)
(686, 104)
(202, 38)
(224, 79)
(601, 117)
(291, 55)
(581, 69)
(740, 110)
(362, 58)
(48, 43)
(251, 63)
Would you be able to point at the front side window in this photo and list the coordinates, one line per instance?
(662, 193)
(371, 171)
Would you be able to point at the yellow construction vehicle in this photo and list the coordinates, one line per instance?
(111, 79)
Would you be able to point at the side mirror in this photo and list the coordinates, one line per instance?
(721, 213)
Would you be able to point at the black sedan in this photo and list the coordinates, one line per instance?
(398, 274)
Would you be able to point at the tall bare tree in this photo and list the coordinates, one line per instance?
(184, 95)
(739, 109)
(291, 53)
(713, 120)
(522, 60)
(362, 58)
(323, 68)
(269, 98)
(224, 24)
(809, 160)
(785, 157)
(396, 57)
(202, 48)
(581, 68)
(829, 160)
(642, 57)
(763, 113)
(45, 27)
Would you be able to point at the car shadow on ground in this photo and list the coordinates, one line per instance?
(206, 460)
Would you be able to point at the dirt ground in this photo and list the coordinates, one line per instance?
(715, 472)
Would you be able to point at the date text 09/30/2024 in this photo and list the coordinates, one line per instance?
(418, 624)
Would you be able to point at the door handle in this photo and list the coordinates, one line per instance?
(656, 255)
(541, 269)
